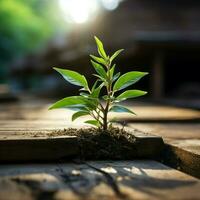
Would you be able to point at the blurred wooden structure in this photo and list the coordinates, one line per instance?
(161, 37)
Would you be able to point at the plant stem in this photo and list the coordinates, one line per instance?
(105, 119)
(109, 88)
(93, 115)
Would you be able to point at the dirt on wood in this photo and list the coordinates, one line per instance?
(115, 143)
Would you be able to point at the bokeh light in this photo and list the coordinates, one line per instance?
(79, 11)
(110, 4)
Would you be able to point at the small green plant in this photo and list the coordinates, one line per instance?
(91, 101)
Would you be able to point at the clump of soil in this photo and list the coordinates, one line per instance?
(114, 143)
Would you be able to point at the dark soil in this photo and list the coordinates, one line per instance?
(97, 144)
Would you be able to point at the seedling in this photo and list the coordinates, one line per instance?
(91, 101)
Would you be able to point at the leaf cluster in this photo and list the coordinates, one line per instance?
(91, 101)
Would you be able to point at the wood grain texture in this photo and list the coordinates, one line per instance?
(182, 144)
(31, 116)
(144, 179)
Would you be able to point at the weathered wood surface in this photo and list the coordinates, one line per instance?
(144, 112)
(24, 117)
(24, 130)
(183, 136)
(38, 149)
(99, 180)
(183, 149)
(43, 149)
(144, 179)
(170, 131)
(178, 127)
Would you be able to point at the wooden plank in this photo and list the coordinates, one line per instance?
(38, 149)
(43, 147)
(153, 178)
(170, 131)
(182, 144)
(144, 111)
(183, 155)
(137, 179)
(35, 117)
(28, 120)
(191, 145)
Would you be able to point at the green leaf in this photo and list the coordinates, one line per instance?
(84, 94)
(105, 97)
(118, 108)
(95, 84)
(73, 77)
(116, 54)
(116, 76)
(99, 60)
(99, 69)
(96, 91)
(79, 114)
(92, 122)
(111, 71)
(100, 47)
(128, 79)
(79, 108)
(69, 101)
(83, 89)
(130, 94)
(100, 78)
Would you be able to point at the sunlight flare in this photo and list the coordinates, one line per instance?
(78, 11)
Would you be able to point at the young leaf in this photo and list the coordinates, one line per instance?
(92, 122)
(84, 94)
(69, 101)
(100, 78)
(116, 76)
(118, 108)
(83, 89)
(130, 94)
(96, 91)
(116, 54)
(99, 69)
(79, 114)
(73, 77)
(100, 47)
(95, 84)
(128, 79)
(105, 97)
(111, 71)
(99, 60)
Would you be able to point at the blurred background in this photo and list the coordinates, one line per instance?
(161, 37)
